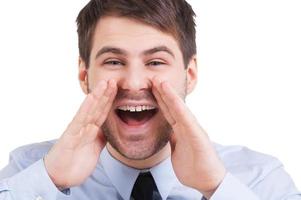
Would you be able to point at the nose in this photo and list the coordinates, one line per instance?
(135, 78)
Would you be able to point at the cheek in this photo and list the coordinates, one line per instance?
(176, 78)
(96, 75)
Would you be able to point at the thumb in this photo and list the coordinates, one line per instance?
(172, 141)
(101, 139)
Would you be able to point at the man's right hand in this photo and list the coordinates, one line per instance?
(75, 155)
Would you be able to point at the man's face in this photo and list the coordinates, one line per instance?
(133, 53)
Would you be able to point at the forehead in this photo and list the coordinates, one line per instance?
(130, 34)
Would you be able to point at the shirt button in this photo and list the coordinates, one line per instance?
(39, 198)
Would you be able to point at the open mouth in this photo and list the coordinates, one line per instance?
(136, 115)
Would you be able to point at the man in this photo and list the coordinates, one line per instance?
(133, 136)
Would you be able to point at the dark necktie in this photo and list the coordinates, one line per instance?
(145, 188)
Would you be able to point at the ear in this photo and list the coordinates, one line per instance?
(83, 75)
(191, 74)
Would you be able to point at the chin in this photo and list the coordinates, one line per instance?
(137, 145)
(140, 150)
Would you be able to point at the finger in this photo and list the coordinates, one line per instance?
(174, 103)
(161, 103)
(101, 97)
(90, 102)
(101, 139)
(172, 142)
(181, 113)
(83, 115)
(105, 108)
(87, 135)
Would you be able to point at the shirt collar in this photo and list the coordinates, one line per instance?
(123, 177)
(164, 177)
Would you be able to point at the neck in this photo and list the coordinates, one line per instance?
(142, 164)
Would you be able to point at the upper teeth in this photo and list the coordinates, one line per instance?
(136, 108)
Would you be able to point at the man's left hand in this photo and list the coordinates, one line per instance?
(194, 159)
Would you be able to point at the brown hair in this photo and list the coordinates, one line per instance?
(175, 17)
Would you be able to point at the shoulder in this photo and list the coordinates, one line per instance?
(26, 155)
(248, 165)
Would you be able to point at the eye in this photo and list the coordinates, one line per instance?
(113, 62)
(155, 63)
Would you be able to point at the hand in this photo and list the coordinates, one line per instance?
(74, 156)
(194, 159)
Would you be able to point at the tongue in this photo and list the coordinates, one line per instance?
(135, 118)
(133, 122)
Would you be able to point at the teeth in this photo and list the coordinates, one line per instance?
(132, 109)
(124, 108)
(136, 108)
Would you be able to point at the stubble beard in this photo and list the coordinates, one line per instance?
(141, 152)
(136, 149)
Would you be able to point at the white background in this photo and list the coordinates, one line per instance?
(249, 74)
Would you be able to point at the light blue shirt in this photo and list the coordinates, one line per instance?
(250, 176)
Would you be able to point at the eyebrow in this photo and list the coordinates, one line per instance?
(119, 51)
(109, 49)
(158, 49)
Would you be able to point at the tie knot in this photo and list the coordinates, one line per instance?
(145, 188)
(147, 174)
